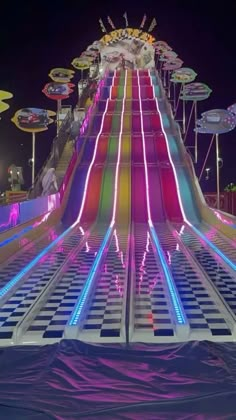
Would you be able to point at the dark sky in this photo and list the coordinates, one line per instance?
(37, 36)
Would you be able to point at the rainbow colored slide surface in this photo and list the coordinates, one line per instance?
(137, 257)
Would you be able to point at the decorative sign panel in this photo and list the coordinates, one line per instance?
(195, 92)
(33, 120)
(216, 121)
(58, 91)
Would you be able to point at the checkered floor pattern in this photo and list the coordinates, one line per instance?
(51, 315)
(203, 308)
(38, 309)
(151, 317)
(222, 279)
(26, 254)
(223, 244)
(104, 318)
(20, 300)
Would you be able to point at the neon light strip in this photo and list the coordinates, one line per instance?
(119, 150)
(200, 234)
(79, 307)
(173, 293)
(16, 236)
(29, 266)
(86, 289)
(92, 161)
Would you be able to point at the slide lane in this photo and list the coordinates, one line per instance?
(154, 178)
(107, 189)
(124, 184)
(105, 317)
(168, 184)
(94, 185)
(77, 187)
(138, 194)
(99, 192)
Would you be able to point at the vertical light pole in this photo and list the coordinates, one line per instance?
(58, 114)
(33, 157)
(217, 173)
(184, 116)
(196, 133)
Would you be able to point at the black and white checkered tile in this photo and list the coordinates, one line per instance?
(205, 314)
(222, 278)
(28, 253)
(223, 244)
(152, 317)
(23, 297)
(104, 317)
(49, 318)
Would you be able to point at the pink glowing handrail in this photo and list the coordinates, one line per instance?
(92, 162)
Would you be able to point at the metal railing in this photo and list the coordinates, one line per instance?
(57, 148)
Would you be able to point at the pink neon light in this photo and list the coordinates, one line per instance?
(13, 217)
(222, 219)
(144, 157)
(118, 285)
(91, 164)
(142, 265)
(118, 157)
(120, 253)
(170, 158)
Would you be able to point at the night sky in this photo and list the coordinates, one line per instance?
(38, 36)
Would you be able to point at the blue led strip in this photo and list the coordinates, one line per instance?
(16, 236)
(173, 292)
(84, 294)
(214, 248)
(180, 317)
(29, 266)
(86, 289)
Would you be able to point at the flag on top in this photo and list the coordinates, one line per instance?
(153, 24)
(126, 19)
(111, 23)
(143, 21)
(102, 25)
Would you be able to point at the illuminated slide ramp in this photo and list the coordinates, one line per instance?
(134, 260)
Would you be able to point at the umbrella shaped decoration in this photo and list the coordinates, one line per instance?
(195, 92)
(58, 92)
(183, 75)
(33, 120)
(81, 63)
(217, 121)
(3, 96)
(61, 75)
(172, 64)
